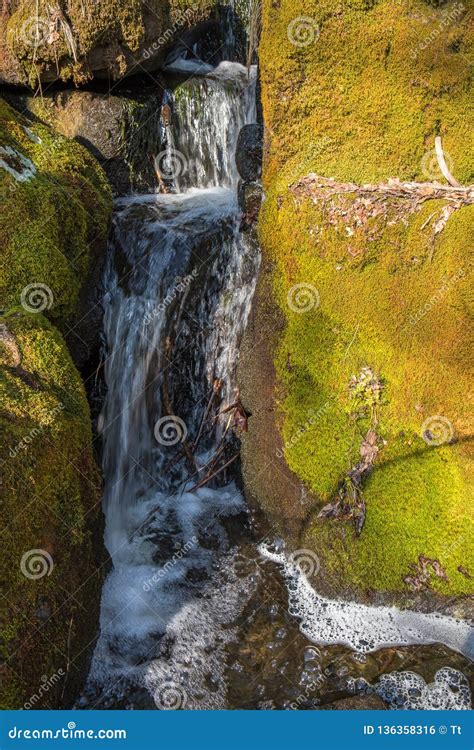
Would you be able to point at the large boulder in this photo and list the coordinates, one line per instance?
(371, 371)
(53, 232)
(54, 225)
(122, 132)
(79, 39)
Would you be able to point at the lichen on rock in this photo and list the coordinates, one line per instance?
(78, 39)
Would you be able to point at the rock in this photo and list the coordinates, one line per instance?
(50, 510)
(53, 231)
(80, 39)
(369, 702)
(249, 152)
(9, 351)
(250, 199)
(101, 122)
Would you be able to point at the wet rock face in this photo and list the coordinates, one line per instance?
(248, 158)
(249, 152)
(250, 199)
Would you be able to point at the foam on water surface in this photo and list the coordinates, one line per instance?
(364, 628)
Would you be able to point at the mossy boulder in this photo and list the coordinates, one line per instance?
(80, 39)
(49, 510)
(56, 206)
(53, 229)
(357, 91)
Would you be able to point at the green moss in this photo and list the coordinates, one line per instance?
(70, 39)
(363, 103)
(52, 503)
(54, 217)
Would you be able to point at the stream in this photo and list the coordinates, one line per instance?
(202, 607)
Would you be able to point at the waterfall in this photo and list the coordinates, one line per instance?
(180, 278)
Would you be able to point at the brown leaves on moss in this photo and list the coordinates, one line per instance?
(354, 206)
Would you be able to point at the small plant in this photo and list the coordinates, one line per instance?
(365, 392)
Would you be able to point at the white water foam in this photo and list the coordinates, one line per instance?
(449, 691)
(363, 628)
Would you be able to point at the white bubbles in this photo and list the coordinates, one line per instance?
(449, 691)
(363, 628)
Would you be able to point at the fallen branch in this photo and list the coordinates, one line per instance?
(214, 474)
(418, 191)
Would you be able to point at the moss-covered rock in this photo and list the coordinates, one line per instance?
(56, 207)
(358, 91)
(80, 39)
(50, 578)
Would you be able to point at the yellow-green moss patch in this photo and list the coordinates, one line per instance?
(362, 103)
(56, 206)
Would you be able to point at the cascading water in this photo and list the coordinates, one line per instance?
(187, 581)
(181, 280)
